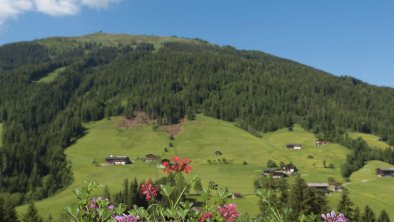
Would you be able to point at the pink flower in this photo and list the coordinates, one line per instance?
(177, 165)
(126, 218)
(149, 190)
(205, 216)
(228, 212)
(333, 217)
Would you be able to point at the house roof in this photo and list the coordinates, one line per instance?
(336, 184)
(317, 184)
(117, 158)
(150, 155)
(385, 169)
(270, 169)
(293, 144)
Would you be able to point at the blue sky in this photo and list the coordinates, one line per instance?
(343, 37)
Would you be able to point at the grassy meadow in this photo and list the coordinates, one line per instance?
(367, 188)
(51, 76)
(372, 140)
(198, 140)
(106, 40)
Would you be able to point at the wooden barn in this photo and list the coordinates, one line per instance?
(151, 158)
(385, 172)
(320, 142)
(117, 160)
(320, 186)
(293, 146)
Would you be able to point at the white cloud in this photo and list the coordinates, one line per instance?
(98, 3)
(10, 9)
(57, 7)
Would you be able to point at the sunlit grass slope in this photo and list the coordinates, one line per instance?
(115, 40)
(198, 140)
(366, 188)
(372, 140)
(52, 76)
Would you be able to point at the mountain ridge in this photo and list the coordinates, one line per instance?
(122, 38)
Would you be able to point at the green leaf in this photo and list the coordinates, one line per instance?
(167, 189)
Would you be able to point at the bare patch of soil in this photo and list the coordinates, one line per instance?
(173, 129)
(139, 119)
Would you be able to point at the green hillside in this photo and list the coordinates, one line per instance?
(367, 188)
(171, 78)
(198, 140)
(59, 44)
(372, 140)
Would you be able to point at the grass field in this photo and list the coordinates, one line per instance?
(198, 140)
(372, 140)
(52, 76)
(366, 188)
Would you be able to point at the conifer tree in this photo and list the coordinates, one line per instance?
(7, 211)
(198, 186)
(32, 214)
(369, 215)
(284, 193)
(106, 193)
(2, 211)
(345, 205)
(298, 197)
(316, 201)
(383, 217)
(357, 214)
(125, 191)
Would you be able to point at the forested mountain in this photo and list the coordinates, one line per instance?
(168, 78)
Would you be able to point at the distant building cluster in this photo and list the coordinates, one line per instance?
(280, 172)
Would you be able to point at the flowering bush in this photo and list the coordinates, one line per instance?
(167, 201)
(149, 190)
(333, 217)
(228, 212)
(92, 209)
(178, 165)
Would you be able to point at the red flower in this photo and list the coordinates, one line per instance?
(167, 167)
(149, 190)
(228, 212)
(177, 165)
(205, 216)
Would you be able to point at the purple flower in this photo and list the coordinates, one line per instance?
(333, 217)
(127, 218)
(92, 204)
(111, 207)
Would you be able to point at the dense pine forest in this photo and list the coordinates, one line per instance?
(168, 78)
